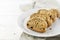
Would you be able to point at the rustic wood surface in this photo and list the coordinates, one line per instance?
(25, 36)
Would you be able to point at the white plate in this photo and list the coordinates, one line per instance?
(49, 33)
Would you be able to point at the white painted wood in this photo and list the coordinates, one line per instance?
(25, 36)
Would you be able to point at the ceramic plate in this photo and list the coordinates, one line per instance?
(49, 33)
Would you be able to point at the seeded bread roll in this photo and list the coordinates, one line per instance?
(43, 19)
(43, 12)
(53, 14)
(44, 16)
(37, 24)
(34, 15)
